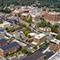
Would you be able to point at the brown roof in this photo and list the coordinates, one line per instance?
(34, 56)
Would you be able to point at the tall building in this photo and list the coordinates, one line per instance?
(52, 17)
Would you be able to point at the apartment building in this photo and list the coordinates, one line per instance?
(52, 17)
(39, 39)
(54, 45)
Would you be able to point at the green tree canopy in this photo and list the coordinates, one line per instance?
(29, 53)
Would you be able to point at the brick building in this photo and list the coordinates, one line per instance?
(3, 42)
(39, 39)
(54, 45)
(52, 17)
(9, 48)
(36, 56)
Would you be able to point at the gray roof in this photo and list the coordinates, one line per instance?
(9, 46)
(3, 40)
(34, 56)
(56, 56)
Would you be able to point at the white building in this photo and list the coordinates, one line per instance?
(5, 24)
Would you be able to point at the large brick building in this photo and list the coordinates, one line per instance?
(54, 45)
(53, 17)
(3, 42)
(9, 48)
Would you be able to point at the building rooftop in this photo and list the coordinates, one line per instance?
(55, 41)
(32, 34)
(20, 43)
(9, 46)
(3, 40)
(54, 13)
(56, 56)
(53, 33)
(39, 36)
(34, 56)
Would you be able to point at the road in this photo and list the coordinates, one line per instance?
(42, 45)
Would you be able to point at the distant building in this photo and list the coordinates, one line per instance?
(3, 42)
(36, 56)
(54, 45)
(39, 39)
(46, 29)
(35, 17)
(9, 48)
(56, 56)
(25, 14)
(52, 17)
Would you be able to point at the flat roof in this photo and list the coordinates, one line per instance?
(54, 13)
(56, 56)
(39, 36)
(3, 40)
(34, 56)
(20, 43)
(34, 43)
(32, 34)
(55, 41)
(9, 46)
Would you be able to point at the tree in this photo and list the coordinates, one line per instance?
(58, 36)
(44, 9)
(1, 22)
(35, 51)
(15, 54)
(27, 29)
(11, 29)
(20, 36)
(30, 19)
(7, 10)
(11, 55)
(35, 47)
(19, 24)
(29, 36)
(29, 53)
(26, 32)
(29, 24)
(45, 41)
(44, 47)
(23, 50)
(23, 25)
(39, 45)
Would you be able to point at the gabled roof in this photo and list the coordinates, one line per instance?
(3, 40)
(9, 46)
(34, 56)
